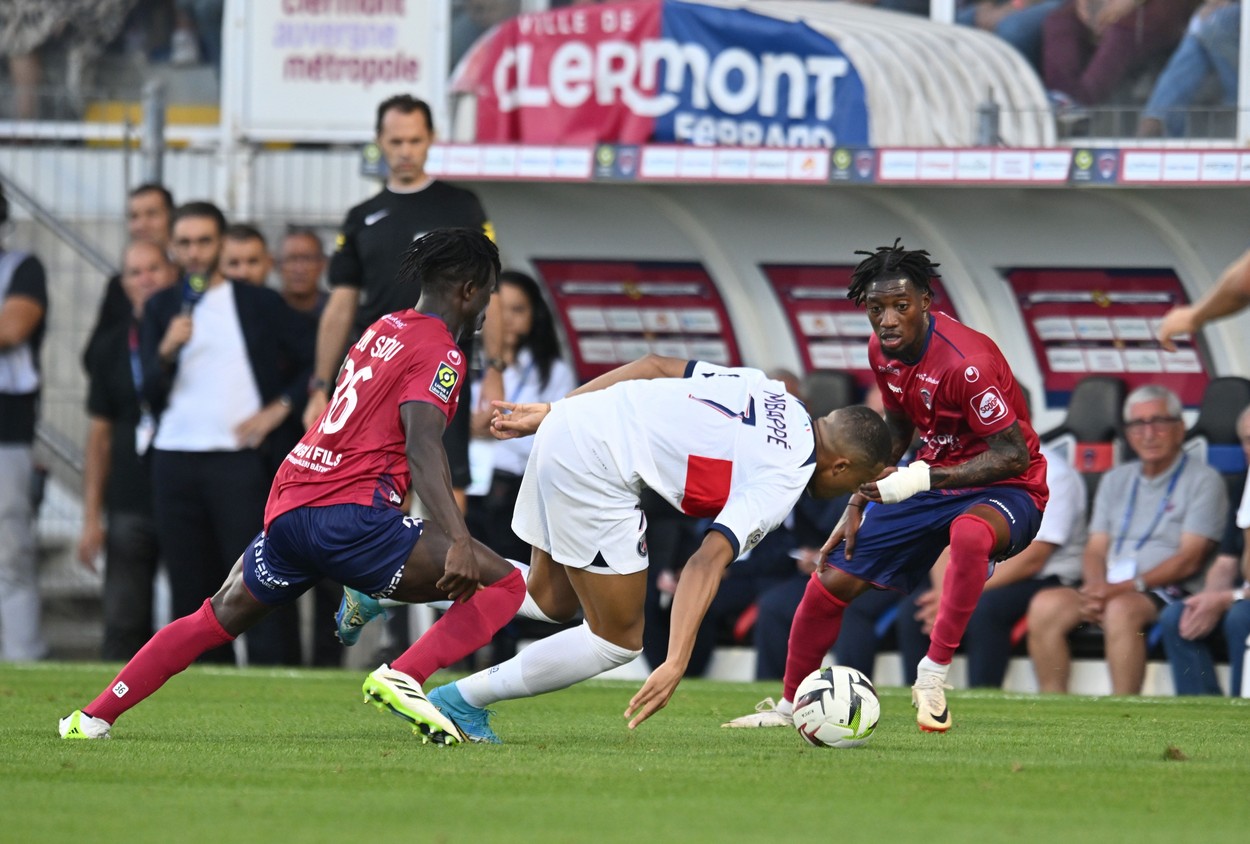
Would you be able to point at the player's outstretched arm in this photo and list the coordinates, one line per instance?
(643, 369)
(700, 578)
(1230, 294)
(431, 482)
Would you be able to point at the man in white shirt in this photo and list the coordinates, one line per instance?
(225, 363)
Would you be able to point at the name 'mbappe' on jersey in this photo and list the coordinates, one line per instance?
(724, 443)
(355, 453)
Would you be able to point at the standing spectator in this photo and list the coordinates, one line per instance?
(1156, 521)
(213, 372)
(245, 255)
(1229, 295)
(534, 371)
(300, 266)
(1018, 22)
(1189, 626)
(117, 471)
(149, 216)
(1208, 50)
(1052, 559)
(23, 320)
(1090, 46)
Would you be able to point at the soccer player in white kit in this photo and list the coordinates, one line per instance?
(730, 444)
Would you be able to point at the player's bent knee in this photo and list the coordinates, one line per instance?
(616, 654)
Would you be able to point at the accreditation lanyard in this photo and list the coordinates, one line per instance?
(1163, 506)
(520, 384)
(145, 428)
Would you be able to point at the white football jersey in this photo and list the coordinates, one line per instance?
(726, 443)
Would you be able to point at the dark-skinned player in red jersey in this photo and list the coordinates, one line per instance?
(335, 506)
(978, 483)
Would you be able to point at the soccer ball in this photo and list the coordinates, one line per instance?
(836, 706)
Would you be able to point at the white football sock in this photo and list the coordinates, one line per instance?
(928, 666)
(555, 662)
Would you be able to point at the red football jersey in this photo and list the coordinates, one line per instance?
(355, 453)
(959, 392)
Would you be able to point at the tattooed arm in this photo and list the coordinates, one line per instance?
(1006, 457)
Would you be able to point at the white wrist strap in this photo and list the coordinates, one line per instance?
(904, 483)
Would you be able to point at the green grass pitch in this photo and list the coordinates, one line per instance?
(260, 755)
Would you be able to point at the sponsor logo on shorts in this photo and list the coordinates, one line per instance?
(989, 405)
(971, 374)
(1006, 510)
(444, 383)
(390, 587)
(642, 547)
(120, 689)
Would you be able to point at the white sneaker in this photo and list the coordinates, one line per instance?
(395, 692)
(766, 715)
(929, 698)
(184, 49)
(79, 725)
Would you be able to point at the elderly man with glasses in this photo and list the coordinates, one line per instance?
(1156, 523)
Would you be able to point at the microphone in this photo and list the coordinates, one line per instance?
(193, 287)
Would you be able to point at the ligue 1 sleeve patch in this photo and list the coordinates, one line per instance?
(444, 382)
(989, 406)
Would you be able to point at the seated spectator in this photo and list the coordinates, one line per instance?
(1156, 522)
(245, 255)
(1089, 47)
(1018, 22)
(1190, 626)
(1052, 559)
(1208, 51)
(117, 473)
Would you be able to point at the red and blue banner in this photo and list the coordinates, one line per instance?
(664, 71)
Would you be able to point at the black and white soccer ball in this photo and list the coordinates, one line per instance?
(836, 706)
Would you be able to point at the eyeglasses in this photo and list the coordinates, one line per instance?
(1156, 422)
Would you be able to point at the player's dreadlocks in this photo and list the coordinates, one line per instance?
(444, 258)
(892, 262)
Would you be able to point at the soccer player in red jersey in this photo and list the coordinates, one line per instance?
(978, 483)
(335, 506)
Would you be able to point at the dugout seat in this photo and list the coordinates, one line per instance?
(1089, 434)
(1213, 436)
(827, 391)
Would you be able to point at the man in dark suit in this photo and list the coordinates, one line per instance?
(225, 363)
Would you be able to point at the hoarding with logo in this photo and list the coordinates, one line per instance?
(656, 71)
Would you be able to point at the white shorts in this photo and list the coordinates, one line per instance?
(575, 511)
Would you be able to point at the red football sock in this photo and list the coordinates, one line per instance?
(972, 542)
(817, 622)
(173, 648)
(464, 628)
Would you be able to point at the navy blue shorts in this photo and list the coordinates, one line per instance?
(359, 546)
(897, 544)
